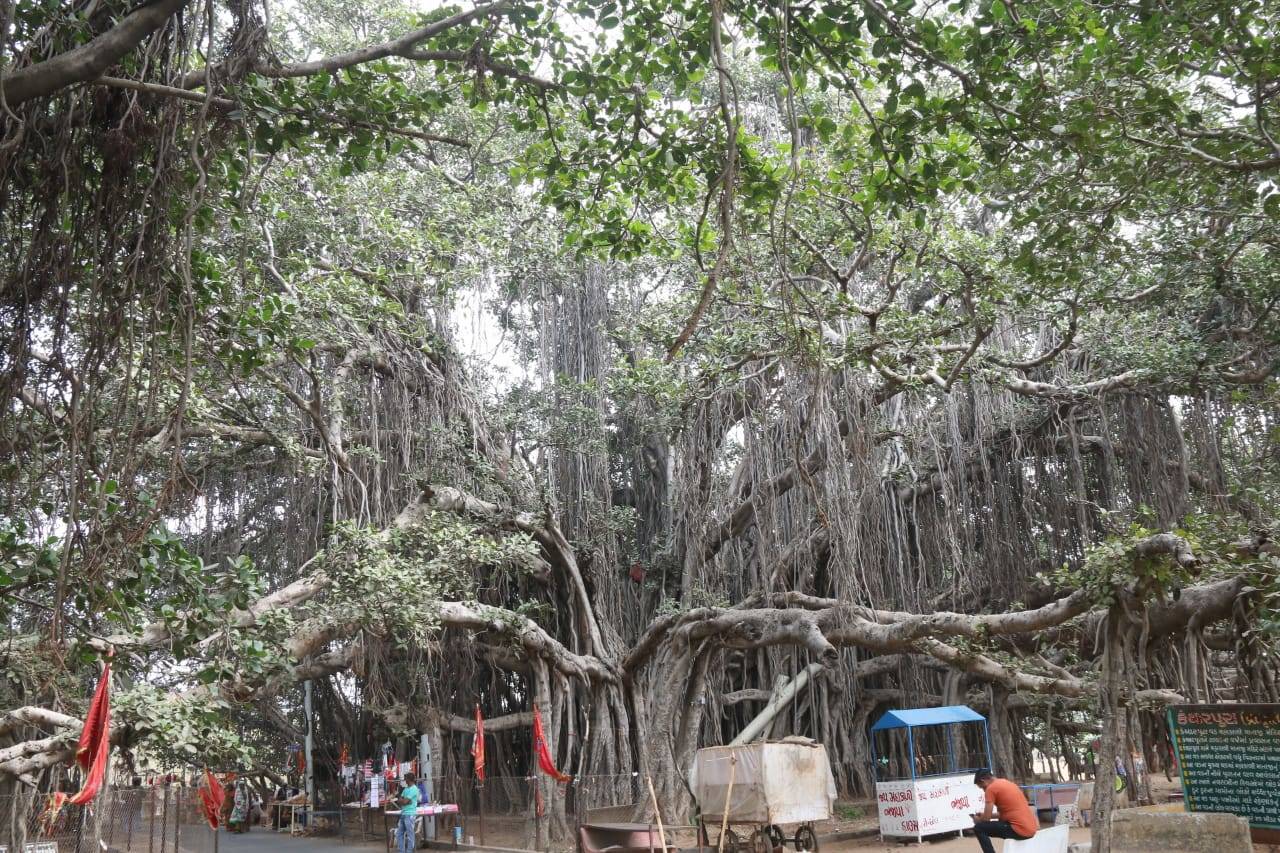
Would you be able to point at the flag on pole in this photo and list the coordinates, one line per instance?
(545, 762)
(477, 746)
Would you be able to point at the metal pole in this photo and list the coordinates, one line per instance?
(79, 827)
(151, 821)
(310, 774)
(537, 812)
(911, 762)
(481, 814)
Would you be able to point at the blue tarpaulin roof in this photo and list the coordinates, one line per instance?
(912, 717)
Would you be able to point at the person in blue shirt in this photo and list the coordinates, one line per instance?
(409, 796)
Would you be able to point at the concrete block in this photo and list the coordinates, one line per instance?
(1196, 832)
(1051, 840)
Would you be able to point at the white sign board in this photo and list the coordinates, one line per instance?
(927, 806)
(375, 792)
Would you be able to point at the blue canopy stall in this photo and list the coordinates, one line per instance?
(923, 762)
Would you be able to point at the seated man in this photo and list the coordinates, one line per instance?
(1016, 818)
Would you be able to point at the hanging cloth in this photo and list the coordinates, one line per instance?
(212, 797)
(477, 746)
(545, 763)
(94, 748)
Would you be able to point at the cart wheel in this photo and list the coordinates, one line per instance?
(776, 838)
(761, 841)
(732, 841)
(806, 838)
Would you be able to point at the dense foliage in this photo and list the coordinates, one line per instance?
(629, 356)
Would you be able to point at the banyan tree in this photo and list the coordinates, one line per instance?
(643, 361)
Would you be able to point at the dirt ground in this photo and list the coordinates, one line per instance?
(850, 816)
(938, 844)
(1161, 789)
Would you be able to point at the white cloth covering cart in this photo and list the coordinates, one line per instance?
(776, 784)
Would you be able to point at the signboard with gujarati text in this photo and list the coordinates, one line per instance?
(928, 806)
(1229, 759)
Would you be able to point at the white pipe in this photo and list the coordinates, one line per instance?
(311, 773)
(779, 700)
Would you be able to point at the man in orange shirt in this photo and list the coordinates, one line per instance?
(1016, 818)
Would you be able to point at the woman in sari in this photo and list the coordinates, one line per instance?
(239, 821)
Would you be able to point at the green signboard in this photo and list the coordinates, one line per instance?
(1229, 759)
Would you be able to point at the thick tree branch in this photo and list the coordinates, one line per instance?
(83, 64)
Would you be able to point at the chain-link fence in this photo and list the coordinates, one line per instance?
(127, 820)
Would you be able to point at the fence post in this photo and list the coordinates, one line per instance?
(151, 820)
(537, 812)
(80, 826)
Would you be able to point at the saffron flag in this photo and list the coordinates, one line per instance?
(212, 796)
(93, 750)
(477, 746)
(545, 763)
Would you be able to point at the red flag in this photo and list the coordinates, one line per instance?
(545, 763)
(212, 797)
(95, 740)
(477, 745)
(94, 748)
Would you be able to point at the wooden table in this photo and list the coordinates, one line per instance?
(424, 812)
(294, 827)
(363, 820)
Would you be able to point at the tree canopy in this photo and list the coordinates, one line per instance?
(629, 357)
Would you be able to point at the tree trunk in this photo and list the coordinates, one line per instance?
(1113, 725)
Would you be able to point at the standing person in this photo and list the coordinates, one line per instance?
(281, 794)
(1016, 818)
(409, 795)
(239, 821)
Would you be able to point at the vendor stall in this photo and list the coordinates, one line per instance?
(924, 760)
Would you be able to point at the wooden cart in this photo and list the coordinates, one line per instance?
(755, 790)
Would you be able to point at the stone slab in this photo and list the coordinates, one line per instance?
(1199, 832)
